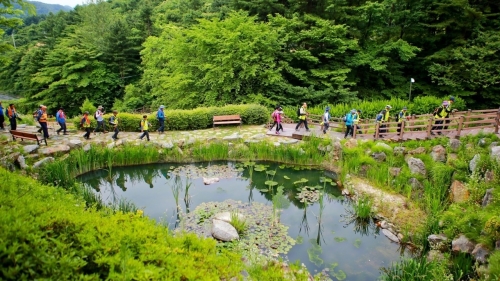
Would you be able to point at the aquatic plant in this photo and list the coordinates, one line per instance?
(363, 207)
(239, 223)
(416, 269)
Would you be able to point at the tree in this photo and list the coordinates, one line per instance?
(7, 8)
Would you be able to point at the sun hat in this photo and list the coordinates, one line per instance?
(388, 106)
(327, 108)
(405, 108)
(162, 106)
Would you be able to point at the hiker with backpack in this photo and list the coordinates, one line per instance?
(349, 122)
(35, 116)
(442, 112)
(400, 118)
(113, 121)
(99, 116)
(278, 121)
(326, 120)
(11, 114)
(85, 124)
(382, 118)
(273, 116)
(61, 120)
(160, 115)
(42, 119)
(302, 113)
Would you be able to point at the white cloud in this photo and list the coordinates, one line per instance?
(71, 3)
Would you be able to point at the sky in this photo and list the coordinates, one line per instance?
(71, 3)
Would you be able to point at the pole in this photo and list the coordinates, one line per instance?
(410, 92)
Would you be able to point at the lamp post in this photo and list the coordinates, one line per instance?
(411, 82)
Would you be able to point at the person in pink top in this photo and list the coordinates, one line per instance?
(278, 121)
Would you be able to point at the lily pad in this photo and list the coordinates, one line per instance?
(302, 180)
(282, 166)
(340, 239)
(286, 177)
(357, 243)
(271, 183)
(271, 173)
(259, 168)
(325, 179)
(340, 275)
(299, 240)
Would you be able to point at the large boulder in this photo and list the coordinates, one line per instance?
(438, 242)
(399, 150)
(481, 253)
(42, 162)
(390, 235)
(420, 150)
(462, 244)
(224, 231)
(226, 216)
(495, 153)
(488, 197)
(438, 153)
(384, 146)
(379, 156)
(28, 149)
(473, 163)
(416, 166)
(62, 148)
(454, 144)
(75, 143)
(459, 192)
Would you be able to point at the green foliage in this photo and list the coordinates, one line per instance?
(238, 223)
(494, 267)
(87, 106)
(363, 207)
(65, 241)
(416, 269)
(199, 118)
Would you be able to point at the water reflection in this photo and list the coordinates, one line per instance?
(330, 235)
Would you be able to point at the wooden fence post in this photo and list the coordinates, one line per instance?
(497, 124)
(355, 130)
(402, 130)
(469, 113)
(413, 117)
(377, 126)
(460, 126)
(429, 128)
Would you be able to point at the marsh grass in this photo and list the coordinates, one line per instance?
(238, 223)
(413, 269)
(363, 207)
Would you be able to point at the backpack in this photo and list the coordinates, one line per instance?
(95, 115)
(298, 111)
(344, 118)
(380, 115)
(273, 115)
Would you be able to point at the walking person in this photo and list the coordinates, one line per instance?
(326, 119)
(61, 119)
(2, 118)
(145, 127)
(113, 121)
(160, 115)
(382, 118)
(12, 116)
(450, 102)
(37, 113)
(273, 116)
(440, 114)
(400, 118)
(99, 116)
(302, 117)
(42, 119)
(85, 124)
(349, 123)
(356, 122)
(278, 120)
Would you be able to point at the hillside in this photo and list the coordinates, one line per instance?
(44, 8)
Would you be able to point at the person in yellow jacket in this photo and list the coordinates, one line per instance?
(145, 127)
(85, 124)
(401, 117)
(113, 121)
(442, 113)
(302, 117)
(356, 121)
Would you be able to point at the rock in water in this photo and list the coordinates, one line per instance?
(224, 231)
(416, 166)
(459, 192)
(209, 181)
(226, 216)
(390, 235)
(481, 253)
(438, 153)
(473, 163)
(462, 244)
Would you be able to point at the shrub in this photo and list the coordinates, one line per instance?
(47, 233)
(88, 106)
(195, 119)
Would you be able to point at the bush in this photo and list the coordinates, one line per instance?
(47, 233)
(420, 105)
(88, 106)
(195, 119)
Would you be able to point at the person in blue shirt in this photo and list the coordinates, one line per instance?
(160, 115)
(2, 118)
(349, 122)
(61, 119)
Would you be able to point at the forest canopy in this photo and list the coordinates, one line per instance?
(186, 53)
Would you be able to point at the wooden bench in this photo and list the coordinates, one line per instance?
(227, 119)
(28, 136)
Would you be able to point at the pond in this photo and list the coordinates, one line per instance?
(326, 237)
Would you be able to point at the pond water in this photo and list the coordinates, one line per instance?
(326, 237)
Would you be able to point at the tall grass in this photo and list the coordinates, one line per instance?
(363, 207)
(414, 269)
